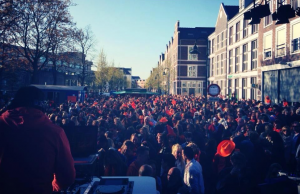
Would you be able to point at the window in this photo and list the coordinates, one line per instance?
(237, 35)
(246, 27)
(208, 47)
(253, 90)
(230, 62)
(192, 57)
(218, 42)
(268, 19)
(237, 59)
(212, 66)
(244, 88)
(192, 71)
(268, 46)
(229, 87)
(254, 54)
(217, 70)
(213, 46)
(245, 57)
(281, 39)
(295, 4)
(222, 64)
(254, 28)
(236, 87)
(230, 35)
(222, 39)
(295, 37)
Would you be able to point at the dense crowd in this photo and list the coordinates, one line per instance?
(190, 145)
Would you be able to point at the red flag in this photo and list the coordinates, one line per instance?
(173, 102)
(133, 105)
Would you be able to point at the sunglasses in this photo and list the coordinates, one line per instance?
(283, 130)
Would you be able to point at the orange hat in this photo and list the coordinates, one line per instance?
(225, 148)
(163, 120)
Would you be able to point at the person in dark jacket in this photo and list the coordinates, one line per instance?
(35, 155)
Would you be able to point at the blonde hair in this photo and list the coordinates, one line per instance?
(175, 148)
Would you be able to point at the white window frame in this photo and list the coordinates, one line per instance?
(237, 62)
(283, 27)
(192, 57)
(245, 54)
(217, 66)
(269, 33)
(238, 31)
(230, 42)
(294, 22)
(188, 70)
(212, 67)
(254, 50)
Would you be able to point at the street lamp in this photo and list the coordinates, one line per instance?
(164, 74)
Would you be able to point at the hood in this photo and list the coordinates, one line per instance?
(24, 118)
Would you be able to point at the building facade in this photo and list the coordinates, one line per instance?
(185, 73)
(264, 54)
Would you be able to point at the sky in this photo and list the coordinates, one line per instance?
(133, 33)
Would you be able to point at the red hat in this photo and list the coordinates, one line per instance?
(225, 148)
(163, 120)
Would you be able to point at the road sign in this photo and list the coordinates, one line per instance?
(213, 90)
(214, 99)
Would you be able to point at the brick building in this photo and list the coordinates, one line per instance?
(265, 54)
(185, 73)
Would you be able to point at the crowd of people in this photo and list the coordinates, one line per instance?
(190, 145)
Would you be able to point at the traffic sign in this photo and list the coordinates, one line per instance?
(213, 90)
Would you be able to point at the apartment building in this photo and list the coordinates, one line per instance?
(185, 73)
(265, 54)
(279, 53)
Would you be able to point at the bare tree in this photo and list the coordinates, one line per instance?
(34, 35)
(85, 42)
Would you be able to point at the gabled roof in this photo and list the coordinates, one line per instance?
(198, 32)
(231, 10)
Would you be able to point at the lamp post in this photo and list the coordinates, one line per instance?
(164, 74)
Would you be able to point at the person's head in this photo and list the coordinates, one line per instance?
(174, 176)
(285, 130)
(187, 153)
(142, 154)
(238, 160)
(127, 148)
(296, 127)
(196, 150)
(159, 137)
(177, 151)
(145, 170)
(28, 96)
(241, 121)
(188, 136)
(135, 139)
(144, 131)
